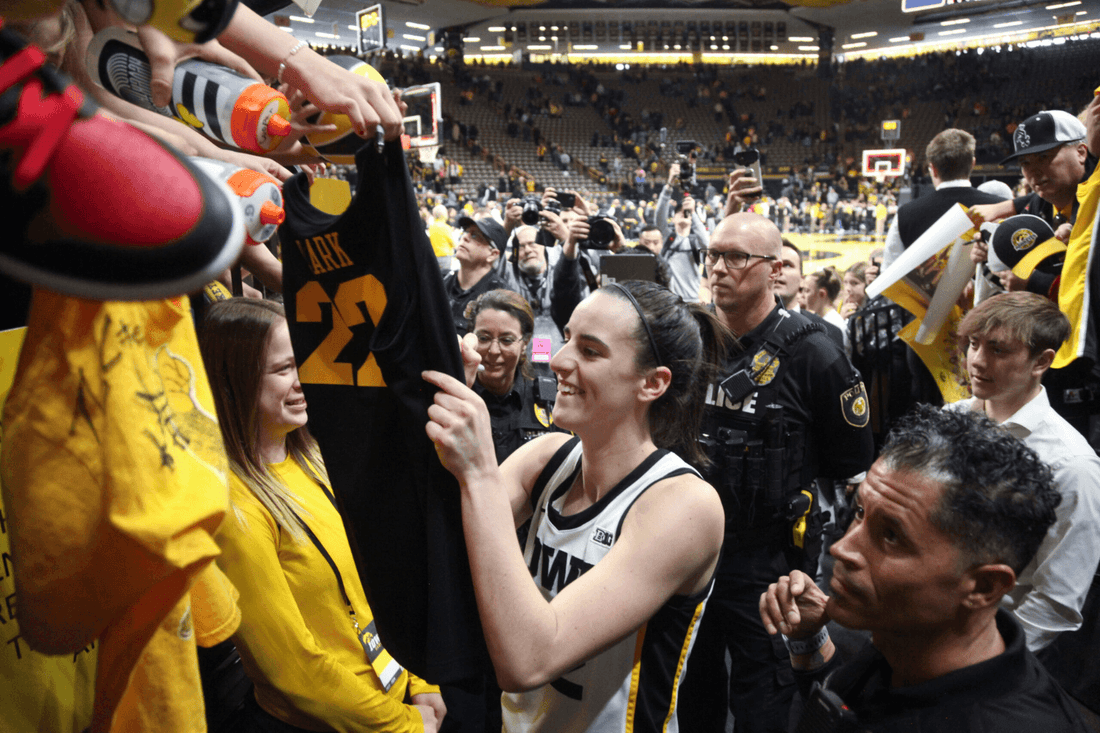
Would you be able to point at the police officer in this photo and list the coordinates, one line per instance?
(520, 403)
(788, 408)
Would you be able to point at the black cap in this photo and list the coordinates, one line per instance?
(1025, 243)
(1046, 130)
(488, 226)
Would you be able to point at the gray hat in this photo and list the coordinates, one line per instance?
(488, 226)
(1046, 130)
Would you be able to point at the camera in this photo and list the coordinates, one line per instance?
(601, 232)
(532, 206)
(685, 157)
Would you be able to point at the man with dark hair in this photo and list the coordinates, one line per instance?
(788, 285)
(1010, 341)
(948, 516)
(651, 238)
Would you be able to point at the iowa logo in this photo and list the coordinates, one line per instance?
(1024, 239)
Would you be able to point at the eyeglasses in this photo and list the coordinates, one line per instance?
(734, 260)
(504, 341)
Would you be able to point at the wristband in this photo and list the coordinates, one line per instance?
(282, 64)
(799, 647)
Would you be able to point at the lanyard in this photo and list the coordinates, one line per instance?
(384, 665)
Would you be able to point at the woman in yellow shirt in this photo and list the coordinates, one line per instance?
(307, 637)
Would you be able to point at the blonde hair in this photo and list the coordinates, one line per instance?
(233, 341)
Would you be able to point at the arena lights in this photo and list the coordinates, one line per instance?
(860, 44)
(300, 19)
(1008, 24)
(418, 26)
(868, 34)
(288, 30)
(809, 48)
(409, 48)
(411, 37)
(319, 34)
(472, 39)
(539, 48)
(793, 39)
(957, 21)
(1058, 6)
(492, 48)
(899, 39)
(497, 29)
(951, 33)
(586, 48)
(624, 47)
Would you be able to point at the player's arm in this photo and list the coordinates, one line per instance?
(669, 544)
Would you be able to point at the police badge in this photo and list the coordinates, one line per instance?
(855, 407)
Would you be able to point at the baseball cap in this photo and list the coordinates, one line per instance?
(1046, 130)
(1025, 243)
(488, 226)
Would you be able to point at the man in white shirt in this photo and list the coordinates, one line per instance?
(1011, 340)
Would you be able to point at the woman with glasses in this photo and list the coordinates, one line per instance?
(590, 626)
(519, 405)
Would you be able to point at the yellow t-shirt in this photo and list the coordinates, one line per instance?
(115, 482)
(296, 637)
(442, 238)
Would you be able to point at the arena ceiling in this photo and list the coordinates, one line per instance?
(617, 29)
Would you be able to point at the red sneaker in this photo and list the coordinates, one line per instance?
(101, 210)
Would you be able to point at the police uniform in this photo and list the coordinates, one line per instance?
(521, 415)
(631, 686)
(789, 408)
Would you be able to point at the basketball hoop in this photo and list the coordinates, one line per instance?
(427, 153)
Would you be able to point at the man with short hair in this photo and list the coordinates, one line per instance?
(950, 158)
(651, 238)
(1010, 341)
(478, 248)
(788, 285)
(1058, 156)
(948, 516)
(788, 389)
(552, 292)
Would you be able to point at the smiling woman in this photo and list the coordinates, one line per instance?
(624, 534)
(305, 616)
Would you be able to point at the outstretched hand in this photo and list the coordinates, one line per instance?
(794, 606)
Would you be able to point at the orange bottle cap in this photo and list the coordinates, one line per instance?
(277, 126)
(272, 213)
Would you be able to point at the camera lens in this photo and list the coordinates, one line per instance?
(600, 232)
(531, 208)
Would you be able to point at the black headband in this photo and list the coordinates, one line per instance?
(641, 315)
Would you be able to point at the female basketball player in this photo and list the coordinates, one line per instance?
(625, 535)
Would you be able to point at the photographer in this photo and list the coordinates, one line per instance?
(549, 279)
(685, 242)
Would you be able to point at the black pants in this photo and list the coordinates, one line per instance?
(759, 684)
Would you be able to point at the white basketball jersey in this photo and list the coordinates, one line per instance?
(631, 686)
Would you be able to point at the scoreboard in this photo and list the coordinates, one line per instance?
(371, 30)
